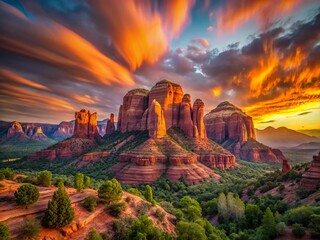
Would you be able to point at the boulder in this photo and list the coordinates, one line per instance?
(110, 128)
(156, 121)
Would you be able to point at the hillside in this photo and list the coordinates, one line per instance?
(283, 137)
(100, 219)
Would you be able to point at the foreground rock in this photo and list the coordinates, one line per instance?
(234, 130)
(311, 178)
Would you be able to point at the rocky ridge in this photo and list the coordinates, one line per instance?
(85, 137)
(234, 130)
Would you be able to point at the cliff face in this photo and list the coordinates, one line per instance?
(311, 178)
(135, 112)
(234, 130)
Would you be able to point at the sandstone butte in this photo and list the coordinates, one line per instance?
(85, 136)
(234, 130)
(178, 145)
(311, 178)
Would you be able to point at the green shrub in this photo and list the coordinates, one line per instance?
(2, 186)
(149, 195)
(281, 227)
(90, 203)
(315, 225)
(136, 192)
(4, 232)
(300, 215)
(26, 195)
(298, 230)
(110, 191)
(7, 173)
(116, 209)
(78, 181)
(159, 214)
(128, 199)
(281, 188)
(302, 193)
(94, 235)
(143, 208)
(2, 177)
(31, 230)
(44, 178)
(86, 182)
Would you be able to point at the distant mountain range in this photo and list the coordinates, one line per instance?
(16, 132)
(283, 137)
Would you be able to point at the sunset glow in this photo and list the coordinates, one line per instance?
(263, 56)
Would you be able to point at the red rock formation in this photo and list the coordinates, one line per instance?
(234, 130)
(64, 150)
(86, 125)
(156, 121)
(199, 130)
(110, 128)
(311, 178)
(89, 159)
(285, 166)
(13, 133)
(169, 95)
(38, 134)
(227, 122)
(135, 102)
(185, 116)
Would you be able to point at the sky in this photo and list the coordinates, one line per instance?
(57, 57)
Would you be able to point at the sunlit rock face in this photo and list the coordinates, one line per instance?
(234, 130)
(135, 112)
(285, 166)
(86, 125)
(156, 121)
(311, 178)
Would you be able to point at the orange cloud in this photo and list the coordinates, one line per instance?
(238, 12)
(12, 78)
(55, 44)
(216, 91)
(138, 31)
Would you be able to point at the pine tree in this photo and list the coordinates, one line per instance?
(78, 181)
(59, 212)
(269, 224)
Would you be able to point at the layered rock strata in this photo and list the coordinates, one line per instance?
(157, 156)
(234, 130)
(311, 178)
